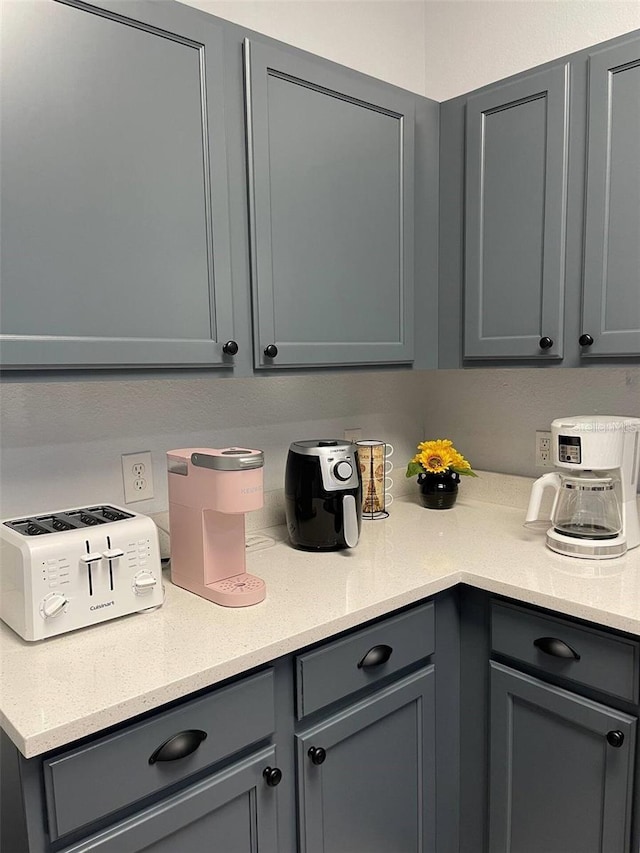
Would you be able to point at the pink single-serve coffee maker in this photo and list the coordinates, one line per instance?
(209, 493)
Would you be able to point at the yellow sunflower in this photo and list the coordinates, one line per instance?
(438, 457)
(435, 456)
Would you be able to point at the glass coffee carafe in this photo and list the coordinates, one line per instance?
(586, 519)
(587, 508)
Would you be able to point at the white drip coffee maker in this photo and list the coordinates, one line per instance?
(594, 513)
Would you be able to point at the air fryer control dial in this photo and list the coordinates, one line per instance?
(342, 470)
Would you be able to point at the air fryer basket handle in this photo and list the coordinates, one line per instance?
(350, 520)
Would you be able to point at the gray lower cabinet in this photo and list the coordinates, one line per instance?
(515, 209)
(224, 771)
(234, 811)
(367, 774)
(115, 231)
(611, 304)
(331, 186)
(561, 769)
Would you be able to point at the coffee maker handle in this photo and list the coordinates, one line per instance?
(350, 521)
(542, 483)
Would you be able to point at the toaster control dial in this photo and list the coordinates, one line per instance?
(143, 582)
(53, 605)
(342, 470)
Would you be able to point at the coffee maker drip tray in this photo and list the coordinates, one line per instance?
(592, 547)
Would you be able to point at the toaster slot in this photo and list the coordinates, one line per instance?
(110, 513)
(85, 518)
(56, 523)
(28, 527)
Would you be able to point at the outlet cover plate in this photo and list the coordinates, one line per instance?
(137, 476)
(543, 449)
(354, 434)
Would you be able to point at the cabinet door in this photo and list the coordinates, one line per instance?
(374, 792)
(611, 307)
(331, 204)
(233, 811)
(557, 785)
(515, 210)
(115, 248)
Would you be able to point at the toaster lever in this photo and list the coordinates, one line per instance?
(112, 553)
(91, 558)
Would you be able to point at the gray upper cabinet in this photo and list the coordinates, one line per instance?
(611, 302)
(115, 244)
(515, 210)
(331, 175)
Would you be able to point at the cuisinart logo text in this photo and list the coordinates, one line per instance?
(250, 490)
(100, 606)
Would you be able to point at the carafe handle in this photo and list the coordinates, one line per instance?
(537, 490)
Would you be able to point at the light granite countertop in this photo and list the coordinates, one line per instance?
(67, 687)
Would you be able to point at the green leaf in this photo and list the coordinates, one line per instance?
(465, 472)
(413, 469)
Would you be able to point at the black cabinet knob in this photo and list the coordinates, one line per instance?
(545, 343)
(271, 351)
(230, 348)
(585, 340)
(317, 754)
(272, 776)
(615, 738)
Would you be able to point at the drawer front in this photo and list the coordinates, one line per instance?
(339, 668)
(98, 779)
(584, 655)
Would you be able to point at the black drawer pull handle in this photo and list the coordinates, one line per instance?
(556, 648)
(545, 343)
(272, 776)
(178, 746)
(375, 657)
(615, 738)
(317, 755)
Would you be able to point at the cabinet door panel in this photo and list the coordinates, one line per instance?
(234, 811)
(374, 793)
(556, 784)
(612, 237)
(515, 217)
(331, 193)
(114, 238)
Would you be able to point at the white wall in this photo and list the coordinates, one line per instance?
(62, 439)
(383, 38)
(438, 48)
(469, 43)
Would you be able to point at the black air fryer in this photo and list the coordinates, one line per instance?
(323, 495)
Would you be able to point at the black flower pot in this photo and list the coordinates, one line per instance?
(438, 491)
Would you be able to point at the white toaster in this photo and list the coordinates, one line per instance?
(76, 567)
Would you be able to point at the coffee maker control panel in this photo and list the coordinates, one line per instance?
(569, 449)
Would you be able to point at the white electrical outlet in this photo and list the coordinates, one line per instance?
(354, 434)
(543, 449)
(137, 476)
